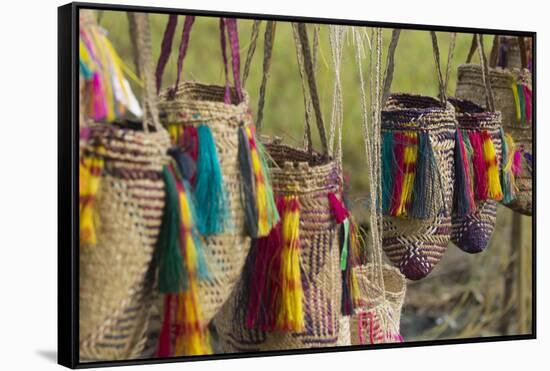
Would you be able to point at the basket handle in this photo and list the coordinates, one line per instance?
(390, 65)
(141, 41)
(477, 43)
(226, 24)
(304, 55)
(251, 49)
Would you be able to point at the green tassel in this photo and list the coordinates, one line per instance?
(172, 273)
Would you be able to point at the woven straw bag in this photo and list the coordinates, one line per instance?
(382, 288)
(310, 177)
(470, 87)
(416, 241)
(472, 232)
(115, 286)
(223, 110)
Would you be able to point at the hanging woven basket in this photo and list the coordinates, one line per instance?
(378, 316)
(417, 244)
(473, 225)
(121, 203)
(223, 113)
(512, 96)
(306, 178)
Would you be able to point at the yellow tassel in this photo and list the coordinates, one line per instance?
(261, 197)
(493, 178)
(507, 167)
(90, 170)
(290, 316)
(409, 162)
(192, 336)
(516, 100)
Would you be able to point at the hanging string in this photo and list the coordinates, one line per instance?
(337, 36)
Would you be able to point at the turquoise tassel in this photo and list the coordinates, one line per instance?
(213, 211)
(387, 165)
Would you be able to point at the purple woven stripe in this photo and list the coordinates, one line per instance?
(165, 48)
(187, 25)
(236, 60)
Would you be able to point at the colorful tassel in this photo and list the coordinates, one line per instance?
(264, 287)
(273, 215)
(213, 216)
(494, 189)
(164, 346)
(517, 102)
(464, 195)
(507, 175)
(479, 164)
(528, 97)
(172, 268)
(425, 182)
(248, 185)
(261, 213)
(516, 165)
(290, 315)
(339, 211)
(397, 173)
(182, 265)
(90, 177)
(388, 161)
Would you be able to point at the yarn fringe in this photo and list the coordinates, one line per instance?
(464, 195)
(507, 175)
(90, 171)
(494, 189)
(210, 193)
(182, 265)
(290, 314)
(409, 175)
(261, 213)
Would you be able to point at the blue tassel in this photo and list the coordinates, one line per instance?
(186, 165)
(202, 267)
(425, 180)
(210, 194)
(388, 162)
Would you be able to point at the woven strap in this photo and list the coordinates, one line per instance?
(304, 47)
(269, 38)
(443, 81)
(494, 51)
(251, 49)
(390, 65)
(141, 41)
(226, 24)
(477, 44)
(388, 75)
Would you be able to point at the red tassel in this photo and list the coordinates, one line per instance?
(164, 343)
(339, 211)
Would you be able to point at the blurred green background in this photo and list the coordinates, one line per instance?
(466, 295)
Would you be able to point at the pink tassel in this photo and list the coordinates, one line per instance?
(100, 106)
(527, 95)
(339, 211)
(516, 165)
(480, 168)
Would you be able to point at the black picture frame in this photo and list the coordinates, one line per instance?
(68, 267)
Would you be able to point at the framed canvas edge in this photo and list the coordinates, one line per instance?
(67, 295)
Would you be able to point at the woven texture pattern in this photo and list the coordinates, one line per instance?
(114, 299)
(417, 245)
(378, 305)
(473, 232)
(311, 178)
(470, 87)
(200, 104)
